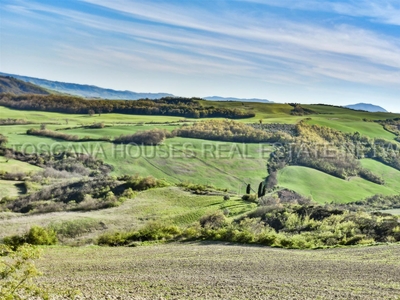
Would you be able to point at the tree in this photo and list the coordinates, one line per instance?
(264, 191)
(260, 189)
(248, 189)
(91, 112)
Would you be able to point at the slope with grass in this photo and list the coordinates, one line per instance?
(201, 161)
(324, 188)
(10, 188)
(15, 166)
(347, 125)
(168, 205)
(389, 174)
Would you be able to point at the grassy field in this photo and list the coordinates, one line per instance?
(9, 188)
(15, 166)
(323, 188)
(170, 205)
(225, 165)
(347, 125)
(389, 174)
(220, 271)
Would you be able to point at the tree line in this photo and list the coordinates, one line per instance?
(169, 106)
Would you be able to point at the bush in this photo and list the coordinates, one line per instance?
(251, 198)
(148, 137)
(213, 221)
(35, 236)
(139, 183)
(17, 271)
(75, 228)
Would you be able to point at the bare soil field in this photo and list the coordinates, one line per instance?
(222, 271)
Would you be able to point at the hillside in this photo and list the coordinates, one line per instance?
(18, 87)
(366, 107)
(89, 91)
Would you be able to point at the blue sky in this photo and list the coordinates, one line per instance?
(311, 51)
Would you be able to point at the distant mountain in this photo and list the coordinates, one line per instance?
(217, 98)
(366, 107)
(89, 91)
(19, 87)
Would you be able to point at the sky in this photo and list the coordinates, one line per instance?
(311, 51)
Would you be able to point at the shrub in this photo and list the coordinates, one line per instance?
(75, 228)
(35, 236)
(251, 198)
(148, 137)
(213, 221)
(17, 271)
(144, 183)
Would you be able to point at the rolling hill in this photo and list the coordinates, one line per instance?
(18, 87)
(89, 91)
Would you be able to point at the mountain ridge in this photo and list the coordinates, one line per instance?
(366, 107)
(15, 86)
(86, 90)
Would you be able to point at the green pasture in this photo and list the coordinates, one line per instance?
(15, 166)
(115, 131)
(347, 125)
(9, 188)
(323, 188)
(389, 174)
(169, 205)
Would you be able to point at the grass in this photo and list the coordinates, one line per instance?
(389, 174)
(324, 188)
(347, 125)
(80, 119)
(9, 188)
(221, 271)
(219, 166)
(170, 205)
(16, 166)
(223, 164)
(115, 131)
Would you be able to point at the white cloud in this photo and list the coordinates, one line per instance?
(191, 40)
(383, 11)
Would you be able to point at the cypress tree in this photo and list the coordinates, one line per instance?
(260, 188)
(264, 191)
(248, 189)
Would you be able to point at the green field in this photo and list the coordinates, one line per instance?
(324, 188)
(9, 188)
(226, 165)
(170, 205)
(15, 166)
(347, 125)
